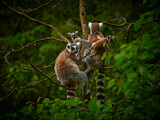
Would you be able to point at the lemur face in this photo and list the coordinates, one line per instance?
(72, 47)
(73, 35)
(110, 38)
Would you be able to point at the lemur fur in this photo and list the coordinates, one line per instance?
(68, 72)
(95, 61)
(102, 42)
(75, 38)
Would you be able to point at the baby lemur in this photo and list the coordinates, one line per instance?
(68, 72)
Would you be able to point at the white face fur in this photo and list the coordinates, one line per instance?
(73, 47)
(110, 38)
(73, 35)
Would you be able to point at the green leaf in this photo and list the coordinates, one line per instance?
(144, 2)
(52, 109)
(107, 59)
(149, 19)
(38, 99)
(131, 76)
(129, 26)
(137, 25)
(141, 18)
(123, 46)
(46, 101)
(103, 56)
(145, 39)
(111, 83)
(93, 106)
(119, 59)
(30, 106)
(40, 108)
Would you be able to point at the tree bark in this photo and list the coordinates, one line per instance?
(84, 26)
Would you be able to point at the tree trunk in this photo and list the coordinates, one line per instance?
(84, 26)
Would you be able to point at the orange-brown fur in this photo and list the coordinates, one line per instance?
(66, 65)
(93, 37)
(100, 43)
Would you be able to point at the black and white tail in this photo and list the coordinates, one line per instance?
(71, 93)
(87, 53)
(100, 88)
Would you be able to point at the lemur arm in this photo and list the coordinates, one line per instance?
(84, 42)
(100, 34)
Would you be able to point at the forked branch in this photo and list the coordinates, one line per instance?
(37, 21)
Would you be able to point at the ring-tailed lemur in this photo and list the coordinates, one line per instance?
(68, 72)
(95, 40)
(95, 61)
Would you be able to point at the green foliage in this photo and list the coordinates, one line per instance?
(137, 25)
(132, 88)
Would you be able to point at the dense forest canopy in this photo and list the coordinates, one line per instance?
(34, 32)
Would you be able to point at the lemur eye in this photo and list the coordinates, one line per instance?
(68, 47)
(72, 48)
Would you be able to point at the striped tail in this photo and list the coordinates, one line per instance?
(88, 52)
(100, 89)
(71, 93)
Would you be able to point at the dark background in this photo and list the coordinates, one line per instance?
(132, 87)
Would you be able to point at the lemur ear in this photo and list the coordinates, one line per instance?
(68, 47)
(90, 24)
(76, 32)
(69, 34)
(78, 43)
(100, 24)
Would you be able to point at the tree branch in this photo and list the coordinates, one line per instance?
(44, 75)
(84, 25)
(124, 23)
(26, 46)
(34, 9)
(109, 67)
(47, 66)
(37, 21)
(24, 87)
(127, 36)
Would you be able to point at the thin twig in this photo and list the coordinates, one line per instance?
(26, 68)
(127, 36)
(109, 67)
(44, 74)
(24, 87)
(121, 101)
(56, 4)
(34, 9)
(37, 21)
(124, 23)
(26, 46)
(47, 66)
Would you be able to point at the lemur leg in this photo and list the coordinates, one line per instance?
(100, 87)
